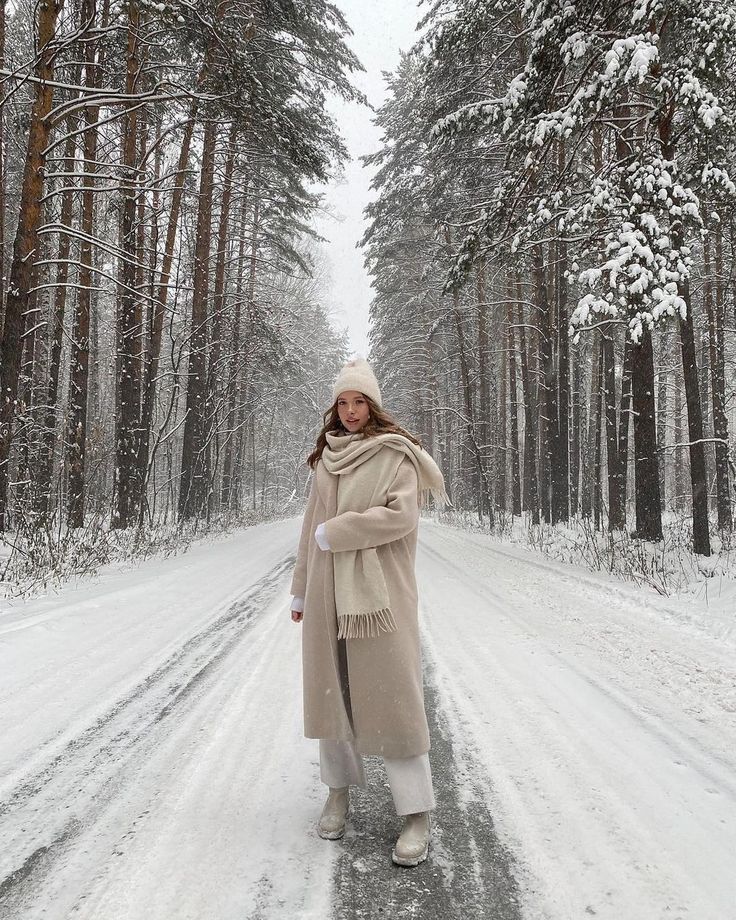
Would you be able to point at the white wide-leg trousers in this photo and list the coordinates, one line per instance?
(410, 778)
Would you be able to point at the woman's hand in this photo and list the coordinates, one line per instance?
(297, 608)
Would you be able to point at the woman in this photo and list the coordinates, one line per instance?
(355, 591)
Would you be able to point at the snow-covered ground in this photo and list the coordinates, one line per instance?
(606, 723)
(152, 762)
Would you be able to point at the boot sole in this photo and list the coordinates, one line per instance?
(410, 861)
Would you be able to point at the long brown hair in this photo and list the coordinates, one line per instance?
(379, 422)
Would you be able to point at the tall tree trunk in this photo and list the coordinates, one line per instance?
(589, 487)
(431, 386)
(561, 465)
(698, 481)
(27, 387)
(531, 492)
(156, 315)
(616, 517)
(701, 535)
(575, 440)
(624, 424)
(26, 239)
(715, 313)
(471, 431)
(231, 435)
(3, 4)
(194, 478)
(678, 464)
(45, 468)
(79, 360)
(662, 418)
(218, 308)
(247, 430)
(725, 516)
(484, 370)
(468, 400)
(501, 465)
(597, 453)
(703, 358)
(549, 454)
(646, 465)
(128, 415)
(513, 405)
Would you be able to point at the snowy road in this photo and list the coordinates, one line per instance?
(606, 728)
(152, 762)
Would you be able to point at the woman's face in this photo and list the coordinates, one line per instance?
(352, 407)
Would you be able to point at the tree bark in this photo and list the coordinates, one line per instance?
(646, 465)
(624, 424)
(679, 477)
(3, 4)
(128, 415)
(662, 419)
(79, 360)
(561, 465)
(553, 500)
(45, 468)
(26, 240)
(218, 307)
(698, 472)
(616, 517)
(698, 481)
(246, 431)
(484, 371)
(598, 450)
(231, 439)
(589, 486)
(156, 315)
(531, 493)
(513, 405)
(468, 399)
(194, 476)
(715, 313)
(575, 440)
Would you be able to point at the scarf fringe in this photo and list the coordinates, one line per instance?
(366, 625)
(438, 494)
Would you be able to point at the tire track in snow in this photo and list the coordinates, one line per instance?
(47, 809)
(612, 806)
(468, 872)
(685, 747)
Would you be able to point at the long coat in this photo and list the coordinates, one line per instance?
(368, 690)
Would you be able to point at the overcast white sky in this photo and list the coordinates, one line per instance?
(382, 28)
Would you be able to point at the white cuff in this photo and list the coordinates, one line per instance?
(297, 603)
(321, 537)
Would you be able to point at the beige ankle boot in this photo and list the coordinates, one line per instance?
(332, 822)
(413, 844)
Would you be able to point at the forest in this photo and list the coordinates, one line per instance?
(551, 245)
(159, 299)
(554, 229)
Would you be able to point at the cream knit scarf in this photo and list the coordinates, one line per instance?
(361, 594)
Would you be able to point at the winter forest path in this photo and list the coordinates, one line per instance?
(152, 760)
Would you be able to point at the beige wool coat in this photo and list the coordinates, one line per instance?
(368, 690)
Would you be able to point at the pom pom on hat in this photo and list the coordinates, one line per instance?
(357, 375)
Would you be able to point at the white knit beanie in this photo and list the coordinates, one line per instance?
(357, 375)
